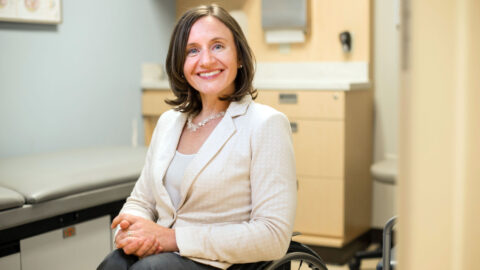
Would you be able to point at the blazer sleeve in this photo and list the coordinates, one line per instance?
(141, 201)
(273, 185)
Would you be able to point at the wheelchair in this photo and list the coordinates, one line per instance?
(386, 251)
(298, 256)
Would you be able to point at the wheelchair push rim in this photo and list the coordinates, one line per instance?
(304, 261)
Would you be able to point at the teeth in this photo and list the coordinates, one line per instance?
(210, 73)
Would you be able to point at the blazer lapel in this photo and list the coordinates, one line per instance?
(166, 147)
(214, 143)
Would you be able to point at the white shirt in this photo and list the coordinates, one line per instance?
(174, 176)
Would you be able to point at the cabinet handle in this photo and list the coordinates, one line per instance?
(335, 96)
(294, 127)
(287, 98)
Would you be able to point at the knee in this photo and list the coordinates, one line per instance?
(157, 261)
(117, 260)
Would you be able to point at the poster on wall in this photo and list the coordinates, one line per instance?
(31, 11)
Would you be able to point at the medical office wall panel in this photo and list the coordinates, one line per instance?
(76, 84)
(439, 146)
(325, 20)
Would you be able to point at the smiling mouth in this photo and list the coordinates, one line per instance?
(209, 74)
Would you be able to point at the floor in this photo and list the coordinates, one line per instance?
(370, 264)
(366, 264)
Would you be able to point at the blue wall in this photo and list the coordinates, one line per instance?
(77, 84)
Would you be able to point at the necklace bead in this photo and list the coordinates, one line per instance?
(193, 127)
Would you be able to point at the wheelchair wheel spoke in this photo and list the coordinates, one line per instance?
(298, 260)
(300, 264)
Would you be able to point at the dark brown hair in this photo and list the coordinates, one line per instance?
(187, 98)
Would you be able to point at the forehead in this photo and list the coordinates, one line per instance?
(207, 28)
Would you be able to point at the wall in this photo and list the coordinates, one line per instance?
(326, 20)
(78, 84)
(439, 149)
(387, 83)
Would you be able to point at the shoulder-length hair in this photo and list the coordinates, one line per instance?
(187, 98)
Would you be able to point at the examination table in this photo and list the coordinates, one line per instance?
(56, 209)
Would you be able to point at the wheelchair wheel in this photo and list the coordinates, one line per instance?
(297, 260)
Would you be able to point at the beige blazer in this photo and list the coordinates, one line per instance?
(238, 194)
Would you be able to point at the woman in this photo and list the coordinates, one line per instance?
(218, 188)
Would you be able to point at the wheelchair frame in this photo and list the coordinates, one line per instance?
(301, 253)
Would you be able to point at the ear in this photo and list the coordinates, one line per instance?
(239, 63)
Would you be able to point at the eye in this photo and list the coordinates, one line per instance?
(218, 46)
(192, 51)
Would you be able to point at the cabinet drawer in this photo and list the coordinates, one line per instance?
(306, 104)
(319, 147)
(153, 101)
(320, 207)
(78, 247)
(11, 262)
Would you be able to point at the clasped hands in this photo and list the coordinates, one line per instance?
(143, 237)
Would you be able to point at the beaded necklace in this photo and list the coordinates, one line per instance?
(193, 127)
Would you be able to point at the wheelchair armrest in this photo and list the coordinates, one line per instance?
(387, 242)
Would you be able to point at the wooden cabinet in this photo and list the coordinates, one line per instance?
(332, 136)
(153, 105)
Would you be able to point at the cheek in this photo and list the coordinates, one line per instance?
(234, 73)
(186, 67)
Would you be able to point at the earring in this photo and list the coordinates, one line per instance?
(241, 66)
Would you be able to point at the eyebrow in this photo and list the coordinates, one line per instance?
(213, 39)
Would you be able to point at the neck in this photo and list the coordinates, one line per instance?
(212, 106)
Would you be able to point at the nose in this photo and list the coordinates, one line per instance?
(206, 58)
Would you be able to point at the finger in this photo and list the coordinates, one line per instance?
(144, 248)
(124, 224)
(123, 239)
(130, 218)
(133, 245)
(122, 234)
(159, 249)
(119, 237)
(117, 220)
(120, 241)
(152, 250)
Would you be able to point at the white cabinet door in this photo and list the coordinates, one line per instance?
(10, 262)
(89, 242)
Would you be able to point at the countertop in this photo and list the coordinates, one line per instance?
(340, 76)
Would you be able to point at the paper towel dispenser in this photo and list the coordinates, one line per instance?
(284, 21)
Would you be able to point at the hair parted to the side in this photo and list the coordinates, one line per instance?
(187, 98)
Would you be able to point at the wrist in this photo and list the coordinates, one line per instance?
(173, 239)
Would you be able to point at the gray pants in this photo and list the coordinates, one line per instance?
(118, 260)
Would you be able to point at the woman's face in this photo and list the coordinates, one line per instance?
(211, 58)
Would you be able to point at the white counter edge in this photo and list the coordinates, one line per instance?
(340, 76)
(282, 85)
